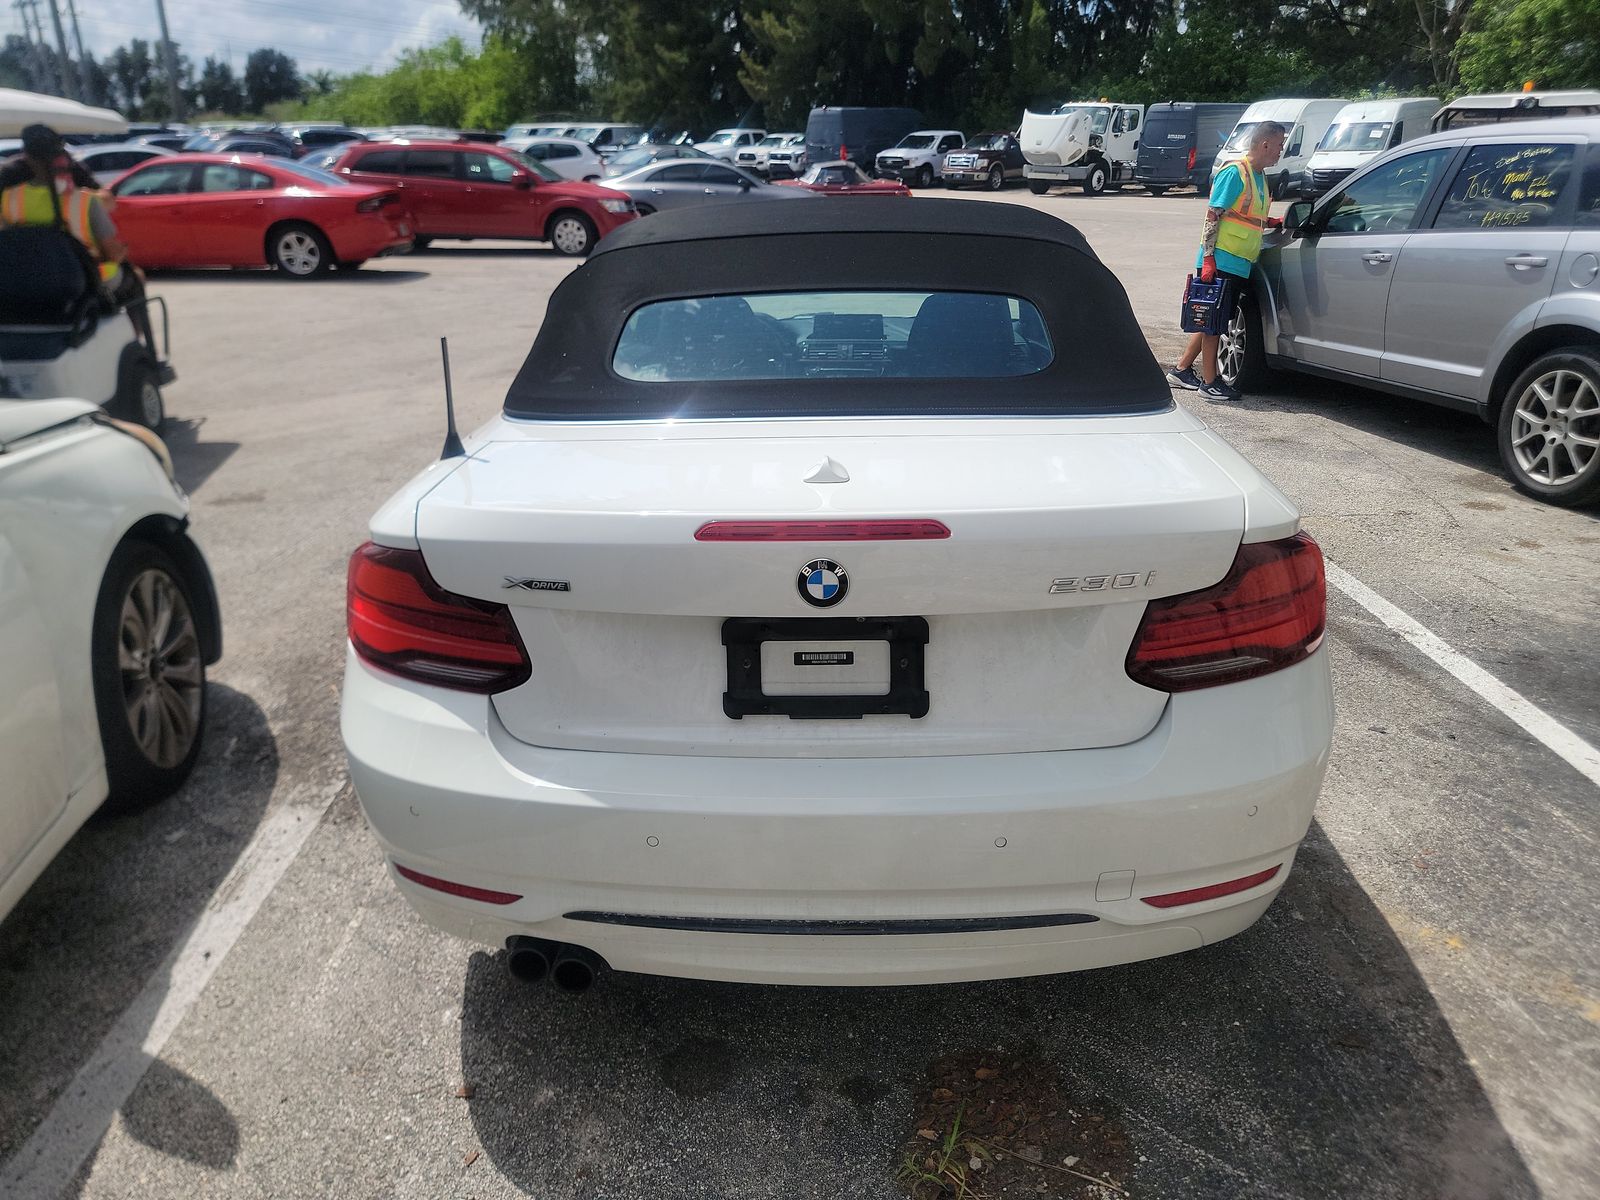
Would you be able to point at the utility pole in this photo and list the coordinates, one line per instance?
(91, 94)
(34, 32)
(174, 92)
(68, 88)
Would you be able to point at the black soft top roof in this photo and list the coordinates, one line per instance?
(1102, 363)
(843, 215)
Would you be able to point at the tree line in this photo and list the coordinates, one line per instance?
(702, 63)
(132, 79)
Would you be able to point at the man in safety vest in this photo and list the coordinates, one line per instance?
(50, 195)
(1235, 217)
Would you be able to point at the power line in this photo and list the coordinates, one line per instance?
(90, 92)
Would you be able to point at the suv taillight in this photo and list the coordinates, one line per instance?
(403, 622)
(1267, 613)
(1191, 158)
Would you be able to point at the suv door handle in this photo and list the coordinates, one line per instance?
(1377, 256)
(1525, 262)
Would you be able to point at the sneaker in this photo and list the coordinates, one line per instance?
(1186, 378)
(1218, 391)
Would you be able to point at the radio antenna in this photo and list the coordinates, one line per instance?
(452, 440)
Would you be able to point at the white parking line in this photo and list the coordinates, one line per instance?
(1571, 748)
(52, 1156)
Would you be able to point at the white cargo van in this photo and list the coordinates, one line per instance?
(1363, 130)
(1305, 120)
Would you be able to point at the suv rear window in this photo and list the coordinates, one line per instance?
(839, 335)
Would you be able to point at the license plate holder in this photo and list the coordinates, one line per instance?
(906, 636)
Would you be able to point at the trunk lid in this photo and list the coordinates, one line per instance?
(1059, 532)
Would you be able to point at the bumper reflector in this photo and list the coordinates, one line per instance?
(1212, 891)
(464, 890)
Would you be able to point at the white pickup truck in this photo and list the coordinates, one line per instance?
(1093, 144)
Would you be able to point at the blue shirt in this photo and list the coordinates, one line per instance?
(1226, 188)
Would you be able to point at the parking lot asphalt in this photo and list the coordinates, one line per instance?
(230, 983)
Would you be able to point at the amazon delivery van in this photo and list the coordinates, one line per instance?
(1305, 122)
(1363, 130)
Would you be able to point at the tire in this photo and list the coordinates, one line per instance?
(1156, 189)
(299, 250)
(418, 245)
(924, 177)
(1038, 186)
(1551, 404)
(1094, 183)
(996, 178)
(1242, 353)
(571, 233)
(139, 392)
(151, 707)
(644, 210)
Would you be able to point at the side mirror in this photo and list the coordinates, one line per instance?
(1294, 220)
(521, 181)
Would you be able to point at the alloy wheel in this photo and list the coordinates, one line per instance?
(997, 178)
(151, 411)
(569, 236)
(298, 253)
(158, 654)
(1555, 428)
(1230, 347)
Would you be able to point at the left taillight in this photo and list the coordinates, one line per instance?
(374, 203)
(1268, 613)
(403, 622)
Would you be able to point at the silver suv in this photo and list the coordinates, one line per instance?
(1461, 269)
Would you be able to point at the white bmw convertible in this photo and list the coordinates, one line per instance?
(891, 625)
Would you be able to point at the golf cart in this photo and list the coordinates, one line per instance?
(60, 333)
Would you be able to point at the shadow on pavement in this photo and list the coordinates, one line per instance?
(193, 460)
(467, 250)
(264, 277)
(180, 1116)
(1445, 433)
(1303, 1058)
(89, 934)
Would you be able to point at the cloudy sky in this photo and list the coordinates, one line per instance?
(336, 35)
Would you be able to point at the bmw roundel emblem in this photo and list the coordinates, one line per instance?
(823, 583)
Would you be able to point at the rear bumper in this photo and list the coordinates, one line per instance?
(1222, 788)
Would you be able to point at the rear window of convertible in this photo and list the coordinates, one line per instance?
(841, 335)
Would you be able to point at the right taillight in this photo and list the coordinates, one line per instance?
(1267, 613)
(1192, 154)
(403, 622)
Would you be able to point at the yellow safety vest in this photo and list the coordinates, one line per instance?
(29, 204)
(1240, 230)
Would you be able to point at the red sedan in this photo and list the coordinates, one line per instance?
(845, 179)
(472, 190)
(221, 210)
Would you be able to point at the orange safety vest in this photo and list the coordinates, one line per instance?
(29, 204)
(1240, 231)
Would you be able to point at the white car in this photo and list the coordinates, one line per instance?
(875, 630)
(107, 162)
(108, 620)
(569, 158)
(918, 158)
(754, 158)
(787, 161)
(725, 143)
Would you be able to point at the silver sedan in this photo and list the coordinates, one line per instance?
(683, 183)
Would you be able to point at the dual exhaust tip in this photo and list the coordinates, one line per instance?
(570, 968)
